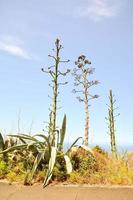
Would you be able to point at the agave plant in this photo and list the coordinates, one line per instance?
(44, 150)
(57, 150)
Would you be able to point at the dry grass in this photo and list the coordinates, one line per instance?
(107, 170)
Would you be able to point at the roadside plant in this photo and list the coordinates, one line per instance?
(111, 123)
(3, 169)
(82, 86)
(55, 73)
(45, 154)
(57, 153)
(83, 160)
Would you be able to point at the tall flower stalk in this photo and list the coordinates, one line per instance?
(111, 123)
(55, 73)
(82, 85)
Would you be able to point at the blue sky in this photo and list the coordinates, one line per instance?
(100, 29)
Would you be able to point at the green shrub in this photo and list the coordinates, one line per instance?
(74, 177)
(83, 161)
(11, 176)
(3, 169)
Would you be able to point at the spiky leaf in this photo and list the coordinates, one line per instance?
(51, 165)
(68, 164)
(62, 133)
(73, 144)
(17, 147)
(1, 142)
(37, 161)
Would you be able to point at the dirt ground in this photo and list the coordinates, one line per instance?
(19, 192)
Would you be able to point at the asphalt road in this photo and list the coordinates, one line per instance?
(18, 192)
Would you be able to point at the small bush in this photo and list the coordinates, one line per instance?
(83, 161)
(74, 177)
(3, 169)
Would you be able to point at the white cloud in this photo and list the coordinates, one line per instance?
(99, 9)
(13, 47)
